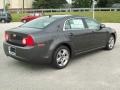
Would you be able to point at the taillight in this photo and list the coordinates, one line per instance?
(6, 36)
(28, 41)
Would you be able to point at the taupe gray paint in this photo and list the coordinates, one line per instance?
(53, 36)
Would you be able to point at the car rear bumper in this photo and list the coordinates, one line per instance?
(29, 54)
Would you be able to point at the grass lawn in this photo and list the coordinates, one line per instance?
(102, 16)
(16, 17)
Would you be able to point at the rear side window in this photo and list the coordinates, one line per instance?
(74, 24)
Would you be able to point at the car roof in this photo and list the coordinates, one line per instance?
(66, 16)
(60, 15)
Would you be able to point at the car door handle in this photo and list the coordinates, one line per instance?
(70, 34)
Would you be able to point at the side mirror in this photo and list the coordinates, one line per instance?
(102, 26)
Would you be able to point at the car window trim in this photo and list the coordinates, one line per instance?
(73, 29)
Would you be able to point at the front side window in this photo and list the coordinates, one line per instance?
(92, 24)
(74, 24)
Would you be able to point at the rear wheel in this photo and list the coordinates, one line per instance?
(111, 43)
(24, 21)
(61, 57)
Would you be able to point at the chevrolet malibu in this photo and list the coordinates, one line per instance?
(55, 39)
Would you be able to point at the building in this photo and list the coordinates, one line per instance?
(14, 4)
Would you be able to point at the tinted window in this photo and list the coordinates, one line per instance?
(41, 22)
(92, 24)
(74, 24)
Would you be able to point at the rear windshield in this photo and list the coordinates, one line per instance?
(41, 22)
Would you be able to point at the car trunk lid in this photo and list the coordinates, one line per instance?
(17, 35)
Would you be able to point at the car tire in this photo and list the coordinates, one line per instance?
(3, 21)
(61, 57)
(110, 43)
(24, 21)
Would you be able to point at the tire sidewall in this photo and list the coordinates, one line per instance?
(54, 62)
(107, 46)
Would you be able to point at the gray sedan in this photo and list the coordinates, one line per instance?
(55, 39)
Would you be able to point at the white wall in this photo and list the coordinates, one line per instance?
(18, 3)
(1, 4)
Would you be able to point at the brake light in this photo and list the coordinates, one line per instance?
(28, 41)
(6, 36)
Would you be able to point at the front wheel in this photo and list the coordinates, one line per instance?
(61, 57)
(111, 43)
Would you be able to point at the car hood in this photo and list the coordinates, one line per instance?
(25, 30)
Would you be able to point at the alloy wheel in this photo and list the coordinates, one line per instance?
(111, 42)
(62, 57)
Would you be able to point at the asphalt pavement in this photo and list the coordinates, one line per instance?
(98, 70)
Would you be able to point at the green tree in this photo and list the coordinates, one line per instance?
(49, 3)
(102, 3)
(82, 3)
(107, 3)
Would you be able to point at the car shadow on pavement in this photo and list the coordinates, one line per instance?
(48, 67)
(31, 66)
(82, 56)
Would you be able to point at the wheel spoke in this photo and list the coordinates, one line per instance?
(58, 59)
(62, 62)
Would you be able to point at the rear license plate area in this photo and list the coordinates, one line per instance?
(12, 50)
